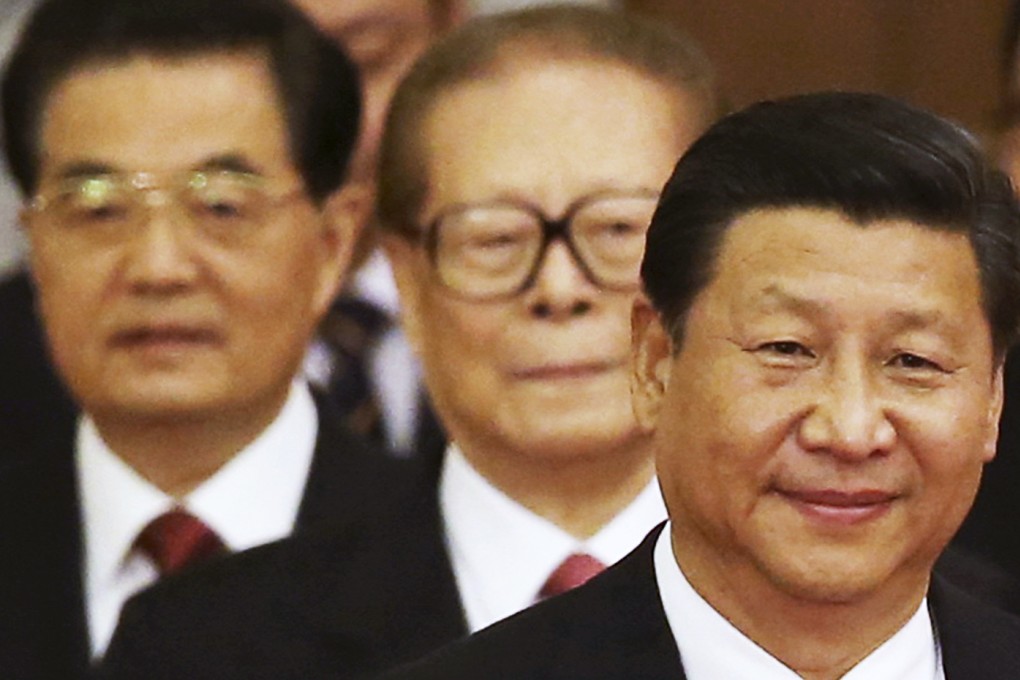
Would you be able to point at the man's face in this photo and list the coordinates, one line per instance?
(823, 426)
(383, 37)
(543, 373)
(179, 316)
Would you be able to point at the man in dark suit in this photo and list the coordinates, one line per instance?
(489, 160)
(832, 284)
(182, 164)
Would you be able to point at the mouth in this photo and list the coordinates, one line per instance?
(840, 507)
(565, 371)
(164, 336)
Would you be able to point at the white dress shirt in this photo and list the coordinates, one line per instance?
(502, 552)
(712, 648)
(253, 499)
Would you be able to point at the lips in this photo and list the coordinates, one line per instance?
(564, 371)
(843, 507)
(164, 335)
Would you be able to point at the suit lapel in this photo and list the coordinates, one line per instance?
(625, 619)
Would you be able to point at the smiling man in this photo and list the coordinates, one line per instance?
(832, 284)
(181, 163)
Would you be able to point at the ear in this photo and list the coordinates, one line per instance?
(341, 221)
(994, 413)
(652, 362)
(405, 260)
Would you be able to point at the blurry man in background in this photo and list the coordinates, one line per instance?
(182, 165)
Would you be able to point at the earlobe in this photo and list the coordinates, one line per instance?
(994, 414)
(652, 361)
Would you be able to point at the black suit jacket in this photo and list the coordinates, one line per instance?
(344, 603)
(614, 628)
(43, 633)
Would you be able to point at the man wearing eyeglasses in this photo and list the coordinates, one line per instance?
(518, 173)
(182, 164)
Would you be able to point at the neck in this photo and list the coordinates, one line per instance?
(580, 494)
(819, 640)
(178, 453)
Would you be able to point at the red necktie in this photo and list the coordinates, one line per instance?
(574, 571)
(177, 539)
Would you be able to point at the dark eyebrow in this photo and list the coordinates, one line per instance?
(230, 162)
(86, 169)
(775, 298)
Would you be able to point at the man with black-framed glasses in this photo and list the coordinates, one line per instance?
(182, 165)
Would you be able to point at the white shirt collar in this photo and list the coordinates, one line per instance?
(711, 647)
(374, 282)
(251, 500)
(502, 552)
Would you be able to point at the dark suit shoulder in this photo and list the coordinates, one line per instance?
(612, 628)
(980, 577)
(977, 640)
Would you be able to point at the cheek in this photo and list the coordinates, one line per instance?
(461, 339)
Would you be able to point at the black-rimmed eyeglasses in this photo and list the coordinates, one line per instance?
(495, 250)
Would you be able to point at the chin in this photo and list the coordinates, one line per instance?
(588, 439)
(835, 579)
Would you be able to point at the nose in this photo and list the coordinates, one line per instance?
(561, 289)
(848, 418)
(159, 259)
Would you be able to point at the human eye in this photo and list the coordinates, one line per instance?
(92, 201)
(614, 221)
(789, 348)
(493, 240)
(783, 354)
(487, 237)
(222, 198)
(908, 361)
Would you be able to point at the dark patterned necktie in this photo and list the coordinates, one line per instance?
(352, 329)
(177, 539)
